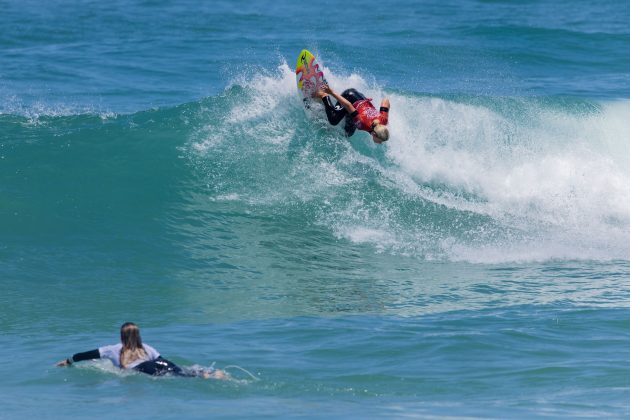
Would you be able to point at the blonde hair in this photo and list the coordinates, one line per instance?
(132, 349)
(381, 132)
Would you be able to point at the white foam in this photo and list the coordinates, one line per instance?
(36, 110)
(555, 171)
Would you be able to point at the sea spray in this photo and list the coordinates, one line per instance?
(462, 178)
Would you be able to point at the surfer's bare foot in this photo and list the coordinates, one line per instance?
(216, 374)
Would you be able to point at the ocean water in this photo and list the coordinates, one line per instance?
(157, 166)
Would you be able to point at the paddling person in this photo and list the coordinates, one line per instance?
(358, 112)
(132, 354)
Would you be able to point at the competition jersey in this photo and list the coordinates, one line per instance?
(366, 113)
(113, 353)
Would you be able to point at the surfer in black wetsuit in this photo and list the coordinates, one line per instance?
(358, 112)
(130, 353)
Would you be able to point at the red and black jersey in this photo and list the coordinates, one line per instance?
(366, 113)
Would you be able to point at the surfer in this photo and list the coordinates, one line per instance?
(132, 354)
(358, 111)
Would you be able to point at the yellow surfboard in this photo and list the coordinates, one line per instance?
(308, 75)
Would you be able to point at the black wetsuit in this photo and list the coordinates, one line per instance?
(336, 113)
(157, 367)
(161, 367)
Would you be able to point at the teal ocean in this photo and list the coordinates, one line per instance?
(157, 166)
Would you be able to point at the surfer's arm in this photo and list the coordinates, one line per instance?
(343, 101)
(78, 357)
(385, 105)
(384, 111)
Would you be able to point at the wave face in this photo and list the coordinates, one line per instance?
(464, 178)
(489, 179)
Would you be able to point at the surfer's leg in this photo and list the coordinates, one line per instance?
(334, 113)
(160, 367)
(352, 95)
(350, 127)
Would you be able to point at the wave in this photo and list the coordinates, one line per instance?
(489, 179)
(463, 178)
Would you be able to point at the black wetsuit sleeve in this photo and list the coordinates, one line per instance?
(334, 113)
(86, 355)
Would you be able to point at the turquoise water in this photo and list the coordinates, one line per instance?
(157, 166)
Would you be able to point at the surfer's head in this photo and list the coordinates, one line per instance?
(380, 133)
(132, 344)
(130, 335)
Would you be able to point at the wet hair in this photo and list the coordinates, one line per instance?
(381, 132)
(132, 349)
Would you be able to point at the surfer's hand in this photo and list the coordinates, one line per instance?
(326, 89)
(63, 363)
(321, 94)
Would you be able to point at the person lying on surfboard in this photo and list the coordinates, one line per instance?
(358, 111)
(132, 354)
